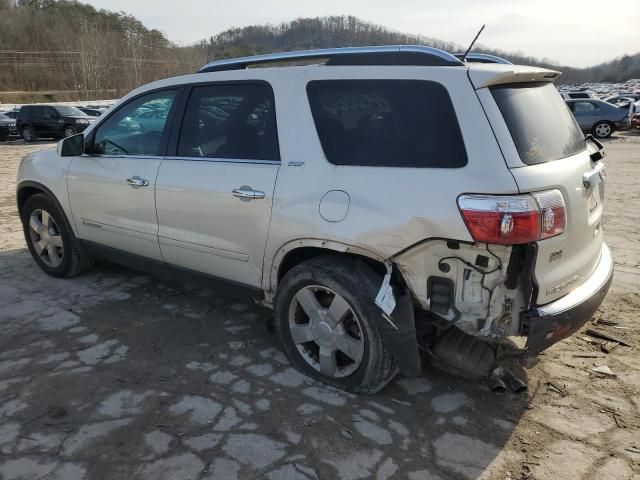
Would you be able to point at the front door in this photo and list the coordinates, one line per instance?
(214, 192)
(111, 186)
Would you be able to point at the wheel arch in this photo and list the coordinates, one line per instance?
(295, 252)
(28, 188)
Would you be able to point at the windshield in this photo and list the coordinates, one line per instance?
(3, 117)
(70, 112)
(541, 125)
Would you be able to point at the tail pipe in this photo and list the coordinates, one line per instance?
(502, 379)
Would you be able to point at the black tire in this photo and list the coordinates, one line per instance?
(28, 134)
(68, 131)
(3, 137)
(377, 366)
(602, 129)
(74, 262)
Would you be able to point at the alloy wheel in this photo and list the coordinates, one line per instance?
(603, 130)
(326, 331)
(46, 238)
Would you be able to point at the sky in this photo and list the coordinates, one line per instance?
(577, 33)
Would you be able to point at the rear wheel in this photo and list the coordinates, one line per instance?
(602, 130)
(325, 321)
(50, 239)
(28, 134)
(69, 131)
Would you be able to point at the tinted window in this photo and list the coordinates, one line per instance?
(126, 132)
(541, 124)
(584, 107)
(49, 113)
(230, 121)
(69, 111)
(386, 123)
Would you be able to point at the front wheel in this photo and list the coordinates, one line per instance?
(325, 321)
(28, 134)
(602, 130)
(50, 239)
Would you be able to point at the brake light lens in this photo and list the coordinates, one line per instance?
(513, 219)
(552, 213)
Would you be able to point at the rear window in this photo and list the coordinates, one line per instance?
(386, 123)
(540, 122)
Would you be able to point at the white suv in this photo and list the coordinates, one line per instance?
(384, 192)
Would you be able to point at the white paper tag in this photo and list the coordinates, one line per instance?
(385, 298)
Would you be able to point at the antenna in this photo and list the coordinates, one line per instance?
(464, 57)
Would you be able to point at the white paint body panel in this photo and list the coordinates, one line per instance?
(203, 227)
(107, 210)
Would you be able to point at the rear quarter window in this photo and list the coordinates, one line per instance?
(541, 125)
(386, 123)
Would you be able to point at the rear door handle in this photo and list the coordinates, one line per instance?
(137, 182)
(247, 193)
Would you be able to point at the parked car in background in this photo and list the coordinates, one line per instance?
(578, 95)
(362, 212)
(11, 114)
(7, 127)
(92, 112)
(599, 118)
(52, 121)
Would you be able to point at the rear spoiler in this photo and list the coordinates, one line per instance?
(485, 75)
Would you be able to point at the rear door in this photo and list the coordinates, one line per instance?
(546, 150)
(111, 189)
(214, 192)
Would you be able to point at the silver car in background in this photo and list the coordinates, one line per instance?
(599, 118)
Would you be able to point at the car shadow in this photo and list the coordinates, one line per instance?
(203, 372)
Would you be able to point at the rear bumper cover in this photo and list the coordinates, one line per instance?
(558, 320)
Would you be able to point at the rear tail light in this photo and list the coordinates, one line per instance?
(552, 213)
(513, 219)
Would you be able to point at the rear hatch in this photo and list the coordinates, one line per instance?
(546, 150)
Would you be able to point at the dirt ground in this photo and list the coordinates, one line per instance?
(114, 375)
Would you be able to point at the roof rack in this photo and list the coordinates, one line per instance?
(378, 55)
(482, 58)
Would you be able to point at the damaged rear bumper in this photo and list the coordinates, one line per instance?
(548, 324)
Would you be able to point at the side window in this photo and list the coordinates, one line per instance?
(583, 107)
(137, 127)
(49, 113)
(386, 123)
(230, 121)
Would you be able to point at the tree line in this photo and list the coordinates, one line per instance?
(71, 46)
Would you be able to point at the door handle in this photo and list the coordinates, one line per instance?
(247, 193)
(137, 182)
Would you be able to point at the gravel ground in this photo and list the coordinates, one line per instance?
(117, 375)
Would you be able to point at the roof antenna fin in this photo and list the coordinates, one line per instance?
(464, 57)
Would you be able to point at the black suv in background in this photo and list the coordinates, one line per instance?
(53, 121)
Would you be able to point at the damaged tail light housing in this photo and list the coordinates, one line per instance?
(513, 219)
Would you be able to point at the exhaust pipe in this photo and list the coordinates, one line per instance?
(502, 379)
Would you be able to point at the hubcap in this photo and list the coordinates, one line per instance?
(45, 238)
(69, 132)
(603, 130)
(26, 134)
(326, 331)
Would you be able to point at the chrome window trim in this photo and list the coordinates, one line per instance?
(224, 160)
(105, 155)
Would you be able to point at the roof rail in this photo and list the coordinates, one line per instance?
(482, 58)
(377, 55)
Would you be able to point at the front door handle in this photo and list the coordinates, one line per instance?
(247, 193)
(137, 182)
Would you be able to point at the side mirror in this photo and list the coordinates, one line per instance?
(72, 146)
